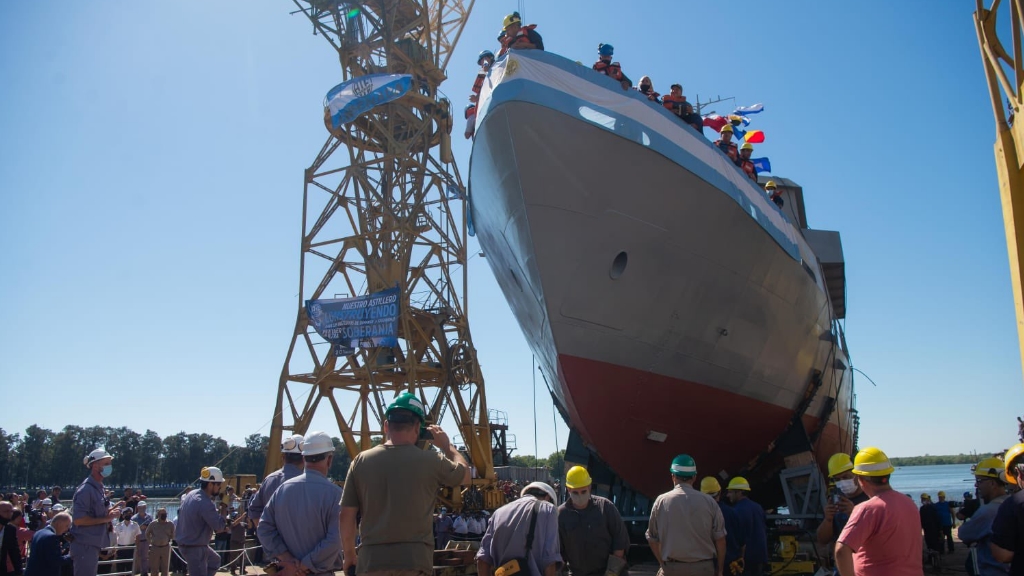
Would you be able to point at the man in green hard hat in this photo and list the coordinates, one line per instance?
(393, 487)
(686, 530)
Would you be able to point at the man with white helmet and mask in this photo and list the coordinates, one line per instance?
(198, 519)
(522, 536)
(91, 516)
(291, 450)
(300, 524)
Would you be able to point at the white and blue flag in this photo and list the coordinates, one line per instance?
(744, 110)
(348, 100)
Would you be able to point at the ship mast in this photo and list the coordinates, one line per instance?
(383, 207)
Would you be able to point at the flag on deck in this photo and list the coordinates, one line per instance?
(715, 122)
(755, 137)
(744, 110)
(738, 133)
(735, 119)
(761, 165)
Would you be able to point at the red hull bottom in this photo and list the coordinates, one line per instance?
(616, 408)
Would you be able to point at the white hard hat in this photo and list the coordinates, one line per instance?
(543, 486)
(141, 504)
(292, 444)
(317, 443)
(47, 502)
(58, 507)
(97, 454)
(211, 474)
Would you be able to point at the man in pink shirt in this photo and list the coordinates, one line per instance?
(883, 535)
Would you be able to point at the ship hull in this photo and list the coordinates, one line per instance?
(667, 306)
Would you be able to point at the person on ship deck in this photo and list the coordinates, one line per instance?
(676, 103)
(646, 87)
(745, 163)
(725, 143)
(605, 66)
(774, 193)
(515, 36)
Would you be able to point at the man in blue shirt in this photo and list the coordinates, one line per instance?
(507, 533)
(300, 525)
(197, 521)
(753, 530)
(90, 516)
(141, 562)
(710, 486)
(46, 558)
(945, 519)
(977, 530)
(291, 450)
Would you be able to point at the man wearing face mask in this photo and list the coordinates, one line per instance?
(159, 535)
(197, 521)
(592, 535)
(91, 517)
(847, 495)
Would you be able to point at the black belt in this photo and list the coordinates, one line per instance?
(673, 561)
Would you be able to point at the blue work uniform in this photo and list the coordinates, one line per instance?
(977, 531)
(197, 521)
(142, 545)
(88, 502)
(732, 533)
(302, 519)
(753, 535)
(270, 485)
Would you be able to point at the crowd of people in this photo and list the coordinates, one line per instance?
(515, 36)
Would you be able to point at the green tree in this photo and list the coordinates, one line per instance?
(8, 457)
(339, 467)
(526, 461)
(556, 464)
(68, 452)
(126, 447)
(152, 449)
(35, 455)
(176, 458)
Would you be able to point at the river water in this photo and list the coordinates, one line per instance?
(954, 479)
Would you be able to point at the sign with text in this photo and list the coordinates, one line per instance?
(361, 322)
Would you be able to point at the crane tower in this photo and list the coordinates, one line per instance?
(383, 208)
(1009, 146)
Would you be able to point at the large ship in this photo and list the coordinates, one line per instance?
(671, 305)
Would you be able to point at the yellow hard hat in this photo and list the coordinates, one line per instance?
(942, 494)
(577, 477)
(710, 485)
(872, 462)
(989, 468)
(1012, 454)
(747, 146)
(726, 128)
(925, 496)
(512, 18)
(840, 462)
(771, 186)
(738, 483)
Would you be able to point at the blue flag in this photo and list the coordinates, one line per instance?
(348, 100)
(744, 110)
(761, 165)
(738, 133)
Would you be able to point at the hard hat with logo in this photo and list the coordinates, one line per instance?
(840, 462)
(292, 444)
(97, 454)
(738, 483)
(211, 474)
(1011, 461)
(726, 128)
(710, 485)
(484, 54)
(747, 146)
(770, 185)
(989, 468)
(605, 49)
(317, 443)
(872, 462)
(683, 466)
(577, 477)
(408, 401)
(542, 486)
(511, 19)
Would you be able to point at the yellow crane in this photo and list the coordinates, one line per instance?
(383, 208)
(1005, 75)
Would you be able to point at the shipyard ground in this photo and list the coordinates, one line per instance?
(643, 564)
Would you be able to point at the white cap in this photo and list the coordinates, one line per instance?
(58, 507)
(97, 454)
(141, 504)
(292, 444)
(47, 502)
(211, 474)
(317, 443)
(543, 486)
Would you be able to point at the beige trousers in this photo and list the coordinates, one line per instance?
(159, 560)
(705, 568)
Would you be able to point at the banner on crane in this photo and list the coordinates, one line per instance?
(362, 322)
(348, 100)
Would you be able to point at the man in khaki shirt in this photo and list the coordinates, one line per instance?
(159, 534)
(686, 530)
(393, 487)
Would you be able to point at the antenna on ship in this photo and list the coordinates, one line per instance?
(700, 105)
(384, 212)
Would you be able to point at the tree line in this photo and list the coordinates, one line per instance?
(555, 463)
(929, 460)
(41, 457)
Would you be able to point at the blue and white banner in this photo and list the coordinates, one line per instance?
(744, 110)
(348, 100)
(361, 322)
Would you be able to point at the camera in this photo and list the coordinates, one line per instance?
(35, 520)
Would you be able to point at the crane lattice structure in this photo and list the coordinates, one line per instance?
(382, 207)
(1009, 146)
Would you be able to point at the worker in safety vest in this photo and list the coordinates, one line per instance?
(605, 66)
(725, 143)
(515, 36)
(646, 87)
(485, 60)
(745, 163)
(676, 103)
(774, 193)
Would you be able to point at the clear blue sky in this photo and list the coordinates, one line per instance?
(151, 166)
